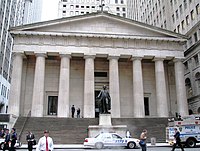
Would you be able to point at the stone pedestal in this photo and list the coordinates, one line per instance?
(105, 125)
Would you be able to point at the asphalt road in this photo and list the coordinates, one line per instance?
(117, 149)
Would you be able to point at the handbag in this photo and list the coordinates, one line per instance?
(142, 143)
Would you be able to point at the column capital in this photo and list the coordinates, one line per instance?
(89, 56)
(178, 59)
(136, 58)
(62, 55)
(158, 59)
(19, 53)
(113, 57)
(40, 54)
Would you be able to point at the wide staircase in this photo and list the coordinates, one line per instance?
(74, 130)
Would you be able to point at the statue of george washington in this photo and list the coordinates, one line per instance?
(105, 101)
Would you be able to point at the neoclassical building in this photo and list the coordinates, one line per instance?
(65, 62)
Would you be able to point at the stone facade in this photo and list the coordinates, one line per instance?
(66, 62)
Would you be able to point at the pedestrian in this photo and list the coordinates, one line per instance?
(45, 143)
(2, 133)
(73, 110)
(177, 140)
(128, 134)
(30, 138)
(78, 112)
(13, 139)
(143, 138)
(7, 140)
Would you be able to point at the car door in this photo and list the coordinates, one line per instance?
(117, 140)
(107, 139)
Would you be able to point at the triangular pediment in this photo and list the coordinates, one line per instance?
(99, 23)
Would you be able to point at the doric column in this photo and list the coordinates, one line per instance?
(15, 90)
(114, 86)
(89, 101)
(161, 92)
(180, 87)
(63, 94)
(38, 87)
(138, 92)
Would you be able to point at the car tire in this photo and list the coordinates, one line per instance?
(191, 142)
(131, 145)
(1, 146)
(99, 145)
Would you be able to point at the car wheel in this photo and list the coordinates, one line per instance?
(191, 142)
(99, 145)
(131, 145)
(1, 146)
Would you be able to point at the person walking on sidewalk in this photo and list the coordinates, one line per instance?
(30, 140)
(177, 140)
(143, 138)
(45, 143)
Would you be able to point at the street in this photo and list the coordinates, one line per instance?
(120, 149)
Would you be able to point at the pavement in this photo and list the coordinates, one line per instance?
(81, 146)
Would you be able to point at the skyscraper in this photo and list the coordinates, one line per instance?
(79, 7)
(7, 17)
(181, 16)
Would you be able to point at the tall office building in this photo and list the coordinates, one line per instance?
(79, 7)
(28, 11)
(181, 16)
(7, 17)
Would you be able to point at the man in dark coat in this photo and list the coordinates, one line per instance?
(7, 140)
(177, 140)
(31, 140)
(105, 100)
(13, 139)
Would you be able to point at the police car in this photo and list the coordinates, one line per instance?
(110, 139)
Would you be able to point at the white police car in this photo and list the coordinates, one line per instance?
(110, 139)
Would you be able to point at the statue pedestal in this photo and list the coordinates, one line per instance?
(105, 125)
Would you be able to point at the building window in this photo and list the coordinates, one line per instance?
(71, 13)
(116, 1)
(64, 12)
(187, 20)
(124, 9)
(196, 60)
(195, 37)
(87, 6)
(122, 1)
(71, 6)
(197, 79)
(178, 28)
(77, 13)
(117, 9)
(198, 9)
(77, 6)
(188, 87)
(173, 19)
(176, 14)
(185, 4)
(192, 15)
(64, 5)
(82, 6)
(181, 9)
(183, 25)
(190, 41)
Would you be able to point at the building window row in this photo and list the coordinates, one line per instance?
(188, 18)
(4, 91)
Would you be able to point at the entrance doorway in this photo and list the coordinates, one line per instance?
(97, 104)
(146, 106)
(52, 105)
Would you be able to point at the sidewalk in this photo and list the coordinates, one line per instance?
(80, 146)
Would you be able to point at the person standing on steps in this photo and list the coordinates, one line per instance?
(31, 140)
(73, 110)
(78, 112)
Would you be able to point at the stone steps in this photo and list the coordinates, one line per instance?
(73, 130)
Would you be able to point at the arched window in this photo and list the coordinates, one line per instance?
(188, 87)
(190, 112)
(198, 111)
(197, 79)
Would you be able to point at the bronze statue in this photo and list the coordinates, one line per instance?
(105, 101)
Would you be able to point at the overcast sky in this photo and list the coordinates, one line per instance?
(50, 9)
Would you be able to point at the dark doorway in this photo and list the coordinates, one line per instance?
(146, 106)
(52, 105)
(97, 104)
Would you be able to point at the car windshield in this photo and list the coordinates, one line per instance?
(116, 136)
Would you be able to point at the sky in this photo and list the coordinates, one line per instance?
(50, 9)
